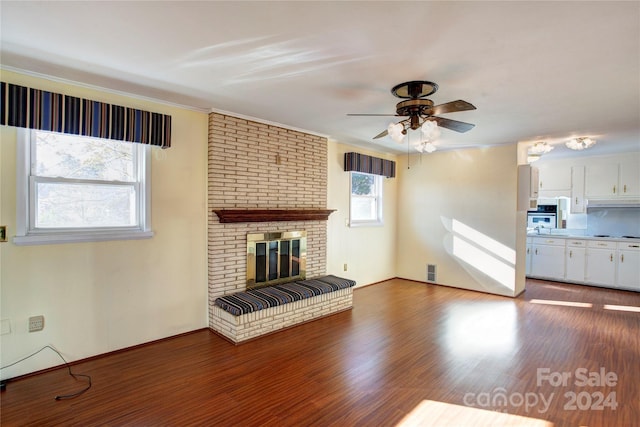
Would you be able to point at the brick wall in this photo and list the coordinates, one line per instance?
(255, 324)
(261, 166)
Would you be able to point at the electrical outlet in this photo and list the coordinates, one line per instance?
(36, 323)
(345, 267)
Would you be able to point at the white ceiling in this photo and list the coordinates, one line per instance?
(534, 70)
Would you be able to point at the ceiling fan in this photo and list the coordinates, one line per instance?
(419, 110)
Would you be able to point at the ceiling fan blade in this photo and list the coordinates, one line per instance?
(381, 134)
(452, 124)
(451, 107)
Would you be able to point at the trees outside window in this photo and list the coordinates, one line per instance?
(76, 188)
(366, 199)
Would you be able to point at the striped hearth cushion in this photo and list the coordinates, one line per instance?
(258, 299)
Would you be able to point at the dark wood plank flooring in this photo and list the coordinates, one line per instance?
(403, 343)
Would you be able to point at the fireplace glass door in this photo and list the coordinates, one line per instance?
(275, 257)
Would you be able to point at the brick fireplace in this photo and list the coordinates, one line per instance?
(258, 166)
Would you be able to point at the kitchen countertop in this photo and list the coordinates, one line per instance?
(570, 236)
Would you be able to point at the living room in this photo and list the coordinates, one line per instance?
(100, 297)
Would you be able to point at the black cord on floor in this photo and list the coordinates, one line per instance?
(75, 376)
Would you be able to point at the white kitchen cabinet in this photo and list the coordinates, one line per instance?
(547, 260)
(613, 179)
(577, 190)
(554, 180)
(601, 263)
(628, 265)
(601, 180)
(575, 260)
(528, 256)
(629, 185)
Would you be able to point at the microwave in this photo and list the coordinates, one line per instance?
(545, 216)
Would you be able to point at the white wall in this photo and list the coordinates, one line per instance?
(100, 297)
(369, 252)
(457, 209)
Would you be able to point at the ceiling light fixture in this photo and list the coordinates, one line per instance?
(397, 132)
(580, 143)
(429, 132)
(540, 147)
(533, 158)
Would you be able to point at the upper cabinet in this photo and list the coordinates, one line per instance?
(601, 180)
(595, 178)
(555, 180)
(577, 190)
(630, 178)
(612, 179)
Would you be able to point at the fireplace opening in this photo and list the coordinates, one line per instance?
(275, 257)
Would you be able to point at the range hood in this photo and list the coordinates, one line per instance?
(613, 203)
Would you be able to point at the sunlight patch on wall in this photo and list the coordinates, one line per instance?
(479, 258)
(487, 243)
(486, 259)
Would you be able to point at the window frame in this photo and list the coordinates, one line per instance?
(378, 197)
(28, 234)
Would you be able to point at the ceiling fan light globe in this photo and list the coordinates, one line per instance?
(397, 137)
(428, 126)
(540, 147)
(430, 130)
(580, 143)
(429, 147)
(395, 129)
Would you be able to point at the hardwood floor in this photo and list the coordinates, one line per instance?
(403, 344)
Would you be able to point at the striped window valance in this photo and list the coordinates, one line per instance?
(369, 164)
(38, 109)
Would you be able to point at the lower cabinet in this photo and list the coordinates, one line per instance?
(601, 263)
(628, 266)
(594, 262)
(547, 259)
(575, 260)
(529, 256)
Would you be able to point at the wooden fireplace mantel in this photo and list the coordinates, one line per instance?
(270, 215)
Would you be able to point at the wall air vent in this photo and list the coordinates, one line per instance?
(431, 273)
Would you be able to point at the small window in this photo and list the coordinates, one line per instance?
(366, 199)
(74, 188)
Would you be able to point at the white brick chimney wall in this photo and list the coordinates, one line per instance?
(254, 165)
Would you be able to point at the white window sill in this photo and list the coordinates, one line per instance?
(366, 224)
(52, 238)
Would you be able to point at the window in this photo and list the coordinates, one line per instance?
(366, 199)
(76, 189)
